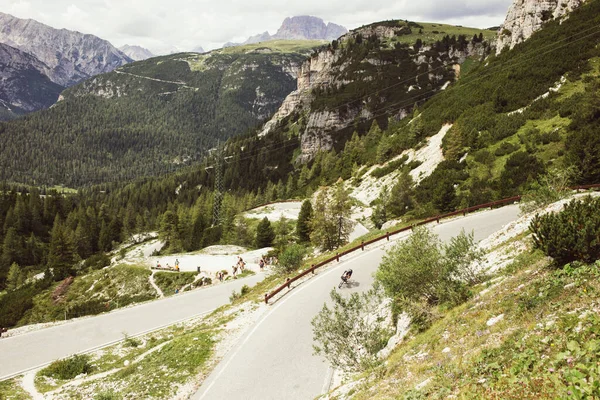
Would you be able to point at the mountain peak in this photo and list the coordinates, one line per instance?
(71, 56)
(307, 27)
(302, 27)
(136, 53)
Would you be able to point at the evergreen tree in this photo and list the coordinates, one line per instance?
(340, 212)
(15, 277)
(401, 196)
(11, 252)
(61, 255)
(104, 241)
(264, 234)
(303, 228)
(322, 225)
(168, 231)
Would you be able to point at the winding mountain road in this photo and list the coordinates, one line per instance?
(274, 359)
(30, 350)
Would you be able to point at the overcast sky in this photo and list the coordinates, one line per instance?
(164, 25)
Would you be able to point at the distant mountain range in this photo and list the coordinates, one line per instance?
(303, 27)
(136, 53)
(37, 62)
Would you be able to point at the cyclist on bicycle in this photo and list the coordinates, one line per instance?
(347, 275)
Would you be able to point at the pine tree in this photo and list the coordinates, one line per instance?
(341, 211)
(322, 225)
(264, 234)
(303, 229)
(61, 255)
(15, 277)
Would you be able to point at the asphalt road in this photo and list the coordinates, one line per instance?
(274, 359)
(37, 348)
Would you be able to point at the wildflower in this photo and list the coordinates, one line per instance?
(551, 369)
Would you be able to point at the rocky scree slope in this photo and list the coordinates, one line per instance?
(25, 84)
(527, 16)
(149, 117)
(374, 72)
(71, 56)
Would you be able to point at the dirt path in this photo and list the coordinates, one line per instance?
(155, 286)
(29, 386)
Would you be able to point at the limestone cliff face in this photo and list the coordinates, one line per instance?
(334, 70)
(525, 17)
(71, 56)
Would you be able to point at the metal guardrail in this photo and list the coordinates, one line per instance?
(387, 235)
(465, 211)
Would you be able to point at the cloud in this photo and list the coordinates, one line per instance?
(161, 25)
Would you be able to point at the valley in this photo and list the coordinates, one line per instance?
(175, 227)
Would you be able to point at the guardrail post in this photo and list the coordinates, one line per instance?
(288, 282)
(387, 236)
(266, 298)
(362, 245)
(312, 268)
(337, 257)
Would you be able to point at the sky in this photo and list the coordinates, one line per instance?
(167, 25)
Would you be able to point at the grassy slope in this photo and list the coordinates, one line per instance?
(545, 345)
(93, 293)
(281, 46)
(432, 32)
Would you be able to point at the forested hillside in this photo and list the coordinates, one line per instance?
(150, 117)
(515, 119)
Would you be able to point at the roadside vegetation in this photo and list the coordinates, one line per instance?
(528, 332)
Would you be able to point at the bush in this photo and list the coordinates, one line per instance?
(243, 291)
(291, 258)
(108, 395)
(68, 368)
(506, 148)
(353, 331)
(423, 270)
(97, 261)
(571, 235)
(14, 304)
(169, 282)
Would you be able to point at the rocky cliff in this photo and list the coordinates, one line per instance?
(136, 53)
(299, 28)
(25, 85)
(70, 56)
(369, 73)
(525, 17)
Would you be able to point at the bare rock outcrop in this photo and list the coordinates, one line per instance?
(331, 69)
(525, 17)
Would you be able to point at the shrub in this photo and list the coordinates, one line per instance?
(421, 270)
(291, 258)
(97, 261)
(128, 341)
(353, 331)
(571, 235)
(550, 187)
(506, 148)
(108, 395)
(68, 368)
